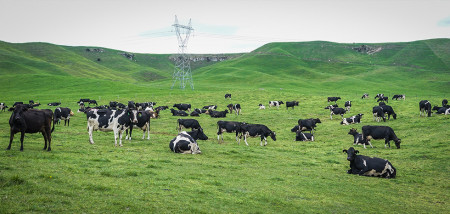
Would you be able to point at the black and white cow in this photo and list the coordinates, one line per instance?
(383, 99)
(84, 100)
(352, 120)
(200, 111)
(425, 106)
(357, 138)
(210, 107)
(378, 113)
(178, 113)
(62, 114)
(229, 127)
(261, 106)
(235, 107)
(185, 144)
(198, 134)
(379, 96)
(218, 114)
(3, 107)
(348, 105)
(143, 123)
(110, 120)
(333, 99)
(380, 132)
(54, 104)
(291, 104)
(300, 136)
(228, 96)
(275, 103)
(161, 108)
(183, 107)
(255, 130)
(399, 96)
(367, 166)
(440, 110)
(187, 123)
(194, 114)
(335, 111)
(389, 111)
(308, 124)
(26, 120)
(364, 96)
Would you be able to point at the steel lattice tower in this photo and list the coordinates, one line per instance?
(182, 72)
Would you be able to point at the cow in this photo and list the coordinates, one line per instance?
(352, 120)
(275, 103)
(300, 136)
(84, 100)
(183, 107)
(425, 105)
(333, 99)
(367, 166)
(440, 110)
(17, 103)
(379, 96)
(357, 138)
(308, 124)
(380, 132)
(113, 104)
(378, 113)
(291, 104)
(187, 123)
(198, 134)
(143, 123)
(131, 105)
(93, 102)
(161, 108)
(348, 105)
(64, 114)
(336, 111)
(218, 114)
(229, 127)
(194, 114)
(200, 111)
(364, 96)
(261, 106)
(235, 107)
(399, 96)
(228, 96)
(110, 120)
(178, 113)
(185, 144)
(26, 120)
(444, 103)
(255, 130)
(121, 106)
(210, 107)
(3, 107)
(54, 104)
(381, 103)
(383, 99)
(389, 111)
(447, 111)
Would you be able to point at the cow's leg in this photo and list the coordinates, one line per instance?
(22, 136)
(148, 130)
(90, 130)
(245, 139)
(120, 137)
(331, 115)
(49, 138)
(312, 138)
(45, 139)
(388, 142)
(369, 144)
(11, 137)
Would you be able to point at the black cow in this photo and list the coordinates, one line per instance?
(143, 123)
(367, 166)
(335, 111)
(183, 107)
(131, 105)
(308, 124)
(378, 113)
(389, 111)
(187, 123)
(348, 105)
(54, 104)
(178, 113)
(357, 138)
(17, 103)
(352, 120)
(198, 134)
(383, 99)
(121, 106)
(113, 104)
(93, 102)
(379, 96)
(291, 104)
(235, 107)
(380, 132)
(275, 103)
(425, 105)
(184, 143)
(381, 104)
(440, 110)
(210, 107)
(62, 114)
(255, 130)
(83, 100)
(444, 102)
(300, 136)
(399, 96)
(194, 114)
(26, 120)
(3, 107)
(218, 114)
(229, 127)
(364, 96)
(228, 96)
(333, 99)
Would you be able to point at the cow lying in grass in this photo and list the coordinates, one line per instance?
(367, 166)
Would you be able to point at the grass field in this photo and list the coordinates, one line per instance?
(283, 177)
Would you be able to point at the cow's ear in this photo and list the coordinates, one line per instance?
(344, 151)
(356, 151)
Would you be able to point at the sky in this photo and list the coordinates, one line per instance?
(227, 26)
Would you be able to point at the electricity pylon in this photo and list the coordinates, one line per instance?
(182, 72)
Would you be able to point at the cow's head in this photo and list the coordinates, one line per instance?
(397, 143)
(352, 131)
(280, 102)
(359, 115)
(317, 120)
(133, 113)
(394, 116)
(17, 113)
(295, 129)
(201, 135)
(381, 104)
(195, 149)
(273, 135)
(351, 153)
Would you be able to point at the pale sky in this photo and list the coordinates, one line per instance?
(227, 26)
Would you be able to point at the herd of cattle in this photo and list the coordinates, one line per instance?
(120, 118)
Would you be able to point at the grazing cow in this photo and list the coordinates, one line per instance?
(64, 114)
(93, 102)
(54, 104)
(261, 106)
(183, 107)
(210, 107)
(275, 103)
(143, 123)
(444, 103)
(308, 124)
(3, 107)
(389, 110)
(399, 96)
(367, 166)
(228, 96)
(110, 120)
(198, 134)
(217, 114)
(300, 136)
(235, 107)
(185, 144)
(229, 127)
(291, 104)
(364, 96)
(348, 105)
(378, 113)
(178, 113)
(440, 110)
(336, 111)
(333, 99)
(379, 96)
(383, 99)
(352, 120)
(188, 123)
(26, 120)
(357, 138)
(425, 105)
(255, 130)
(380, 132)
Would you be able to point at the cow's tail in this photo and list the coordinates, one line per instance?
(53, 128)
